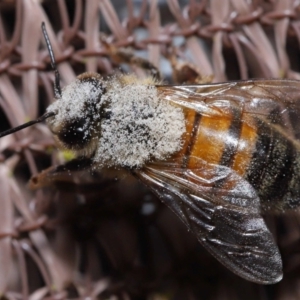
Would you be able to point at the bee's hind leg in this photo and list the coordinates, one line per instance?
(185, 72)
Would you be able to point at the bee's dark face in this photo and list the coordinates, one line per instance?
(76, 134)
(76, 122)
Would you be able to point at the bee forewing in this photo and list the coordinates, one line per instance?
(276, 100)
(241, 141)
(226, 219)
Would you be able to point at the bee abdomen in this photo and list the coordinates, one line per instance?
(274, 170)
(256, 150)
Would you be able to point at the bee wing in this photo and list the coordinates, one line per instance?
(225, 219)
(276, 101)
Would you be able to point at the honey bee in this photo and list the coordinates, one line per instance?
(218, 155)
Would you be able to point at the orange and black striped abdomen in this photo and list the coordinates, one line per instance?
(252, 148)
(219, 140)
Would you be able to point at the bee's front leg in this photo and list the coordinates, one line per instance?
(123, 55)
(61, 175)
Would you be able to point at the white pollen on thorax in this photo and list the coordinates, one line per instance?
(140, 126)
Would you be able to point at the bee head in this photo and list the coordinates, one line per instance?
(74, 118)
(75, 123)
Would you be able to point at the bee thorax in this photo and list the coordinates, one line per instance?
(140, 127)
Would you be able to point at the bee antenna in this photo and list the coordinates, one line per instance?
(30, 123)
(57, 88)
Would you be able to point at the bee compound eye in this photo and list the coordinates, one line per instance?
(75, 134)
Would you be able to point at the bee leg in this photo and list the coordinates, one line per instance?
(59, 174)
(122, 55)
(187, 73)
(146, 65)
